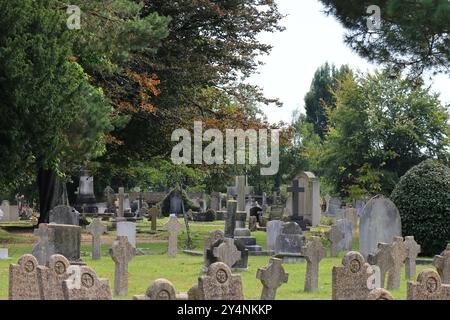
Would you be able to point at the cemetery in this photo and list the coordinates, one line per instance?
(114, 123)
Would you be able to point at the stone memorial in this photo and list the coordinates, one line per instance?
(413, 251)
(309, 205)
(272, 277)
(122, 252)
(86, 197)
(110, 197)
(127, 229)
(379, 222)
(296, 189)
(64, 215)
(210, 243)
(314, 252)
(4, 254)
(96, 229)
(289, 243)
(220, 284)
(428, 287)
(252, 223)
(23, 279)
(399, 252)
(442, 264)
(230, 219)
(86, 286)
(153, 215)
(382, 257)
(160, 289)
(335, 235)
(346, 227)
(227, 252)
(274, 228)
(51, 279)
(173, 226)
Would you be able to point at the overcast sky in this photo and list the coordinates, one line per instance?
(311, 39)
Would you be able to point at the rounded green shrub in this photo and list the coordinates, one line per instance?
(422, 197)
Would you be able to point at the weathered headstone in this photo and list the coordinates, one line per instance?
(272, 277)
(160, 289)
(42, 250)
(127, 229)
(153, 214)
(210, 243)
(380, 222)
(296, 189)
(121, 252)
(346, 228)
(252, 223)
(230, 220)
(382, 257)
(227, 252)
(314, 252)
(96, 229)
(3, 254)
(23, 279)
(428, 287)
(335, 235)
(351, 215)
(110, 196)
(220, 284)
(442, 264)
(413, 251)
(215, 201)
(173, 226)
(350, 281)
(309, 205)
(64, 215)
(399, 252)
(274, 228)
(51, 279)
(86, 196)
(85, 285)
(289, 243)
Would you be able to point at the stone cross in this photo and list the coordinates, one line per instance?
(173, 226)
(227, 252)
(230, 221)
(96, 229)
(43, 246)
(160, 289)
(382, 257)
(120, 213)
(241, 191)
(335, 235)
(428, 287)
(314, 252)
(272, 277)
(442, 264)
(413, 251)
(399, 252)
(220, 284)
(51, 279)
(121, 252)
(295, 189)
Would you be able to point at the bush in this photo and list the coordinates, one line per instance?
(423, 198)
(210, 215)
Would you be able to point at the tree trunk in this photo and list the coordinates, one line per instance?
(46, 181)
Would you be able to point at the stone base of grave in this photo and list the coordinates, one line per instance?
(243, 236)
(290, 258)
(262, 253)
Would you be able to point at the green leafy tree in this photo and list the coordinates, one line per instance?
(413, 34)
(381, 127)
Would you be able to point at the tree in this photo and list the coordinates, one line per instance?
(413, 34)
(381, 127)
(321, 95)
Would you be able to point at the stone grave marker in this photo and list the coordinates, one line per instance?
(399, 252)
(173, 226)
(272, 277)
(160, 289)
(64, 215)
(51, 279)
(428, 287)
(85, 285)
(42, 250)
(122, 252)
(413, 251)
(274, 228)
(252, 223)
(346, 228)
(210, 243)
(382, 257)
(153, 217)
(220, 284)
(96, 229)
(351, 279)
(127, 229)
(314, 252)
(442, 264)
(351, 215)
(23, 279)
(289, 243)
(335, 235)
(379, 222)
(227, 252)
(110, 197)
(3, 254)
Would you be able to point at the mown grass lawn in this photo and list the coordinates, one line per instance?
(184, 270)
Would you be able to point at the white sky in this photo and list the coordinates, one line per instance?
(311, 38)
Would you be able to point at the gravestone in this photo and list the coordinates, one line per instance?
(272, 277)
(42, 250)
(122, 252)
(160, 289)
(274, 228)
(3, 254)
(64, 215)
(335, 235)
(314, 252)
(382, 257)
(85, 285)
(243, 234)
(350, 280)
(127, 229)
(86, 197)
(230, 220)
(413, 251)
(296, 189)
(51, 279)
(220, 284)
(215, 201)
(346, 228)
(309, 205)
(252, 223)
(23, 279)
(110, 197)
(428, 287)
(380, 294)
(173, 226)
(351, 215)
(442, 264)
(289, 243)
(333, 206)
(210, 243)
(4, 208)
(227, 252)
(96, 229)
(380, 222)
(153, 217)
(399, 252)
